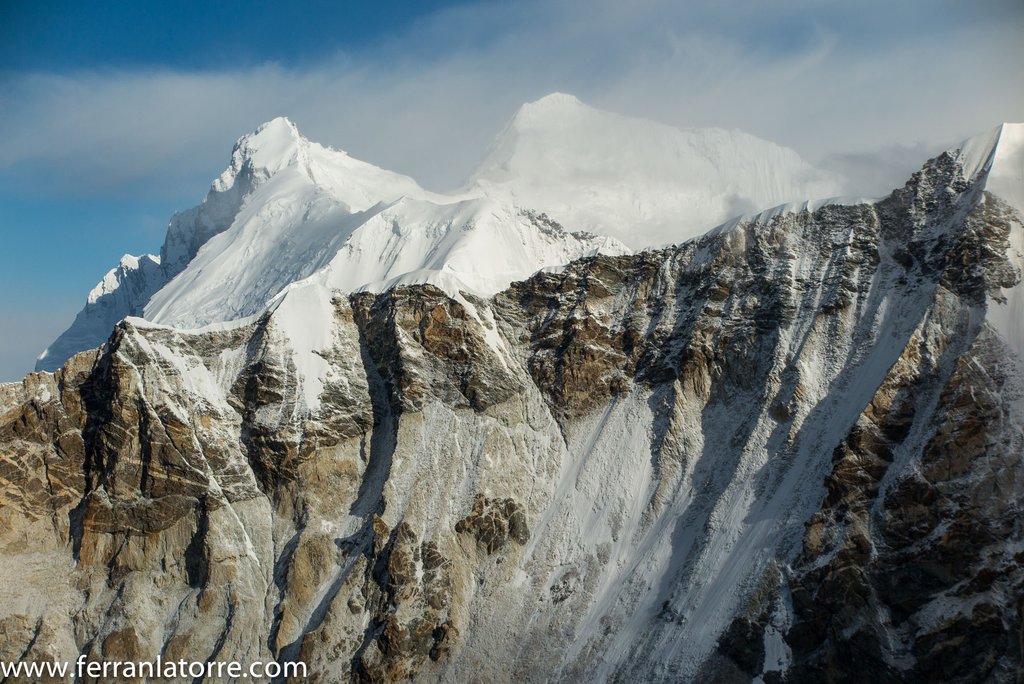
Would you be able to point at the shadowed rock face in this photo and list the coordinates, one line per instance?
(790, 448)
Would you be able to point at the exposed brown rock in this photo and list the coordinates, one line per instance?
(494, 523)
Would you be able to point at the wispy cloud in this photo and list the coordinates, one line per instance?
(808, 74)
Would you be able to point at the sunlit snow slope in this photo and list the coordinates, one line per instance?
(350, 225)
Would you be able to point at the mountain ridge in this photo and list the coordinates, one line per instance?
(788, 449)
(324, 211)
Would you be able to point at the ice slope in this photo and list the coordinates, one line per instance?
(278, 213)
(999, 155)
(642, 182)
(297, 232)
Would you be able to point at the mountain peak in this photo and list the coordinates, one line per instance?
(554, 100)
(271, 147)
(279, 124)
(277, 132)
(551, 106)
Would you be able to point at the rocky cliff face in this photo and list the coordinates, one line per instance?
(790, 449)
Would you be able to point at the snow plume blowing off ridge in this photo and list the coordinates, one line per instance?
(642, 182)
(561, 181)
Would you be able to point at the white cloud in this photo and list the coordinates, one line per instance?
(427, 102)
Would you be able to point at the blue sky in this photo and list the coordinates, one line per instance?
(116, 114)
(194, 34)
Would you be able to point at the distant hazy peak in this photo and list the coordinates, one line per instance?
(549, 106)
(643, 182)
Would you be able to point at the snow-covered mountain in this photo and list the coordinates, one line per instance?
(317, 213)
(642, 182)
(563, 181)
(788, 450)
